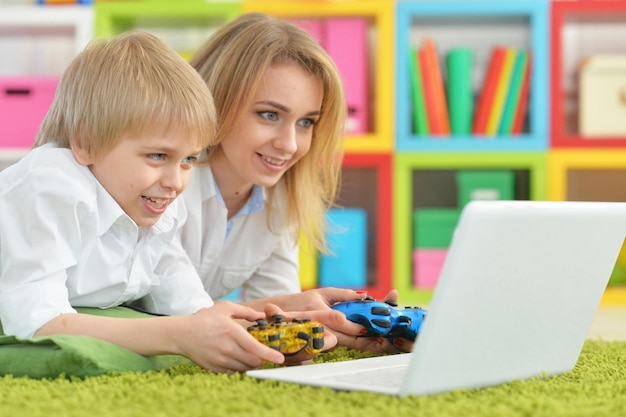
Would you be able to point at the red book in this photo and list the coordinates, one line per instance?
(440, 104)
(429, 93)
(520, 112)
(487, 95)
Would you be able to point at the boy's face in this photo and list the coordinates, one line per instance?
(145, 174)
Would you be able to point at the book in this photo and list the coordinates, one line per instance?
(420, 119)
(485, 100)
(502, 88)
(429, 93)
(439, 104)
(460, 94)
(520, 112)
(513, 95)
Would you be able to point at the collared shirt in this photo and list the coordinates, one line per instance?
(65, 242)
(249, 255)
(255, 203)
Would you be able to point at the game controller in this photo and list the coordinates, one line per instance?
(383, 319)
(290, 338)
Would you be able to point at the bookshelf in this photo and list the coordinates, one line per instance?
(389, 170)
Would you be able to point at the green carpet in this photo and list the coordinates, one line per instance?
(596, 387)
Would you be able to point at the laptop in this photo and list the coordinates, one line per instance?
(515, 299)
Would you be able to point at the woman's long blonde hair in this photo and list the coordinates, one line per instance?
(233, 61)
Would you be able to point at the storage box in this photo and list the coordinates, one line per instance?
(24, 101)
(346, 266)
(345, 40)
(433, 228)
(485, 185)
(602, 96)
(427, 266)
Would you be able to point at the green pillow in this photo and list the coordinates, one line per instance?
(78, 356)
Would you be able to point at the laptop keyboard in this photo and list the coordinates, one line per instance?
(391, 377)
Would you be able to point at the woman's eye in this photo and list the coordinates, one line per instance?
(269, 115)
(306, 122)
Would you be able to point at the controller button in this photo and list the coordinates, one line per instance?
(382, 323)
(318, 344)
(381, 311)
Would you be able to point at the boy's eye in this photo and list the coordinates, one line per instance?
(190, 160)
(157, 156)
(269, 115)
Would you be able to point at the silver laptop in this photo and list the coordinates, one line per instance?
(516, 298)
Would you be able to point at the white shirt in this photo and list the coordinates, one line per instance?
(65, 242)
(248, 255)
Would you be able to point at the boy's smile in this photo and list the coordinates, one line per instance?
(145, 174)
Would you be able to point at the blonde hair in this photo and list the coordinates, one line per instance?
(130, 84)
(233, 61)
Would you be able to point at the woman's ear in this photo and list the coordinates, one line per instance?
(81, 151)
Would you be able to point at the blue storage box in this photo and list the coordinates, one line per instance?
(346, 265)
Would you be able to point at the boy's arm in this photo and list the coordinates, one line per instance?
(211, 337)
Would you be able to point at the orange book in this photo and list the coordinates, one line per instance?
(520, 111)
(485, 101)
(429, 93)
(440, 104)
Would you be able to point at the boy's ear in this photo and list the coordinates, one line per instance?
(81, 151)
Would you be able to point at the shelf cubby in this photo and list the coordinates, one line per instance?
(580, 29)
(479, 26)
(425, 180)
(182, 25)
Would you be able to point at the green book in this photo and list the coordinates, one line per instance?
(420, 120)
(460, 93)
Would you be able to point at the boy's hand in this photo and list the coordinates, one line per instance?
(216, 341)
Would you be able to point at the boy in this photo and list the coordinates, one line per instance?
(87, 219)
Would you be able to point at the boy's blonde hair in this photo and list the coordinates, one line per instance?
(233, 61)
(130, 84)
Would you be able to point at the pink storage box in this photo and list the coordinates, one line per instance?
(427, 265)
(346, 42)
(24, 101)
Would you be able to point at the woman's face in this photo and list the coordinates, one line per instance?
(275, 131)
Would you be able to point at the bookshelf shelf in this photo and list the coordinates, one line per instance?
(580, 29)
(478, 25)
(182, 25)
(408, 194)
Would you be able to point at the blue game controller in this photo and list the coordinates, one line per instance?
(383, 319)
